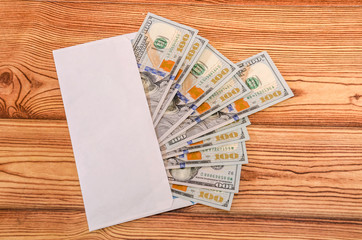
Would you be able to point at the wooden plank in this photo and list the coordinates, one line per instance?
(236, 3)
(179, 224)
(37, 167)
(301, 183)
(316, 49)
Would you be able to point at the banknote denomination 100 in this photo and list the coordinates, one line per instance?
(224, 178)
(160, 46)
(238, 133)
(211, 71)
(268, 88)
(233, 89)
(230, 154)
(192, 56)
(212, 198)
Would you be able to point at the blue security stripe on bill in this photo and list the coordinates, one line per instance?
(154, 71)
(182, 97)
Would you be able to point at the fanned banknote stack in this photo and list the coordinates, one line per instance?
(199, 101)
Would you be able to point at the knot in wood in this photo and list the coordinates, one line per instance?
(6, 78)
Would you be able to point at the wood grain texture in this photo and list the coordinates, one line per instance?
(305, 3)
(300, 183)
(316, 49)
(304, 179)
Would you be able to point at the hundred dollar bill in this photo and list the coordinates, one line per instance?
(160, 46)
(192, 56)
(224, 178)
(221, 155)
(218, 132)
(210, 72)
(268, 88)
(212, 198)
(198, 132)
(244, 122)
(233, 89)
(238, 133)
(230, 151)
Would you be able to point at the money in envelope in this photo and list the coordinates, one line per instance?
(158, 119)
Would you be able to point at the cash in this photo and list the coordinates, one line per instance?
(211, 71)
(199, 102)
(226, 152)
(212, 198)
(229, 154)
(237, 133)
(233, 89)
(223, 178)
(267, 86)
(192, 56)
(160, 46)
(233, 131)
(178, 141)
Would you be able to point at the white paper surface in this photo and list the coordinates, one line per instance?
(119, 163)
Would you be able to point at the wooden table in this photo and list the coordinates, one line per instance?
(304, 179)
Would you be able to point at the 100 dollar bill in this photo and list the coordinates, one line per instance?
(230, 151)
(212, 198)
(192, 56)
(238, 133)
(224, 178)
(195, 133)
(268, 88)
(160, 46)
(228, 129)
(233, 89)
(226, 155)
(211, 71)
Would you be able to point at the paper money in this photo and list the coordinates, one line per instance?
(212, 198)
(267, 86)
(233, 89)
(230, 151)
(244, 122)
(230, 154)
(160, 46)
(228, 129)
(192, 135)
(197, 47)
(179, 143)
(238, 133)
(224, 178)
(210, 71)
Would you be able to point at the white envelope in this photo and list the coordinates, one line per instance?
(119, 163)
